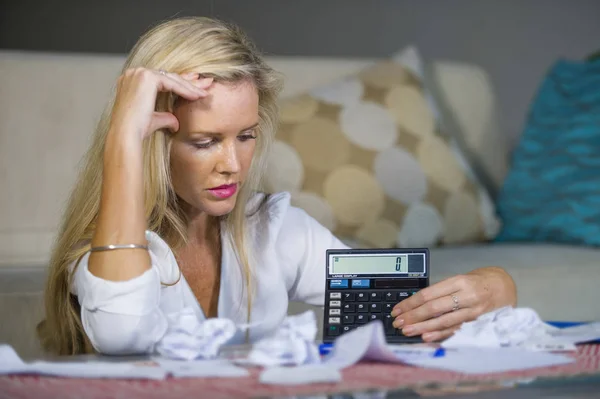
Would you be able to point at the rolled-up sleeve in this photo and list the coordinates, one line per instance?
(120, 317)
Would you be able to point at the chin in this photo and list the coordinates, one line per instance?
(220, 207)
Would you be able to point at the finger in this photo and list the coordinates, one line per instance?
(445, 287)
(437, 324)
(434, 308)
(199, 81)
(193, 79)
(434, 336)
(164, 120)
(174, 83)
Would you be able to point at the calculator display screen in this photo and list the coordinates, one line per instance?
(409, 265)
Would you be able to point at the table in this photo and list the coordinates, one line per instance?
(406, 381)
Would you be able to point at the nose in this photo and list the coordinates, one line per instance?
(228, 161)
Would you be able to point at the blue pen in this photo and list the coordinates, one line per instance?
(324, 349)
(440, 352)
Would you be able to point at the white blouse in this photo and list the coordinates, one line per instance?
(124, 317)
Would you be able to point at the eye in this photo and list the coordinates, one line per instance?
(247, 136)
(203, 144)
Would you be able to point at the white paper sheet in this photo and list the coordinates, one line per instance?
(519, 328)
(202, 368)
(368, 343)
(365, 343)
(578, 334)
(292, 344)
(305, 374)
(488, 360)
(157, 368)
(97, 370)
(11, 363)
(188, 338)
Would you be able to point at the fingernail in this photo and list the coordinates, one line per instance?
(427, 336)
(398, 323)
(408, 330)
(396, 312)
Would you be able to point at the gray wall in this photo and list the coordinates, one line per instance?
(515, 40)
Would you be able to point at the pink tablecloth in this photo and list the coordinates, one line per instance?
(359, 377)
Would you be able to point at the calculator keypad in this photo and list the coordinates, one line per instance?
(349, 310)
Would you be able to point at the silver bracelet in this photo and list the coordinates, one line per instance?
(114, 247)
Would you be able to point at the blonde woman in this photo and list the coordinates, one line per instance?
(165, 215)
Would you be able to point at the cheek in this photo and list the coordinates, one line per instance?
(246, 154)
(186, 169)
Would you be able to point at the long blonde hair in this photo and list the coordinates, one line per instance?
(182, 45)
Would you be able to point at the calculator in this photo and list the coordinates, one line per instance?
(365, 284)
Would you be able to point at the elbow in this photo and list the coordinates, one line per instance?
(117, 335)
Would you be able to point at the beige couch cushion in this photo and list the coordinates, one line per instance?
(368, 158)
(470, 111)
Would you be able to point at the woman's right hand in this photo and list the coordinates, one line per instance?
(137, 88)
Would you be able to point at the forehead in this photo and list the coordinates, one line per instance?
(228, 108)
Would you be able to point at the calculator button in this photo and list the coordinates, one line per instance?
(362, 307)
(334, 320)
(333, 330)
(362, 297)
(375, 296)
(389, 328)
(403, 295)
(348, 296)
(388, 307)
(349, 308)
(346, 328)
(338, 283)
(348, 319)
(335, 295)
(390, 296)
(361, 283)
(361, 318)
(335, 312)
(375, 307)
(375, 317)
(335, 304)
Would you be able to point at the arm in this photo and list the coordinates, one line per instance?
(119, 291)
(121, 217)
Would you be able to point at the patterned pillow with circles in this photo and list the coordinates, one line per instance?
(367, 157)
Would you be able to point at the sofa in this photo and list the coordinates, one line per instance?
(49, 104)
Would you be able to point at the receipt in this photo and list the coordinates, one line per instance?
(188, 338)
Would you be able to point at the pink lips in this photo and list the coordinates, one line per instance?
(224, 191)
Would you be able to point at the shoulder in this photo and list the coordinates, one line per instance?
(272, 210)
(275, 219)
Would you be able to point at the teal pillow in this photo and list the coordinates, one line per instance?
(552, 192)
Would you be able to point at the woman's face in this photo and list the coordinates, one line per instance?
(212, 151)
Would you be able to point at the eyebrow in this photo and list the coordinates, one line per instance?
(206, 133)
